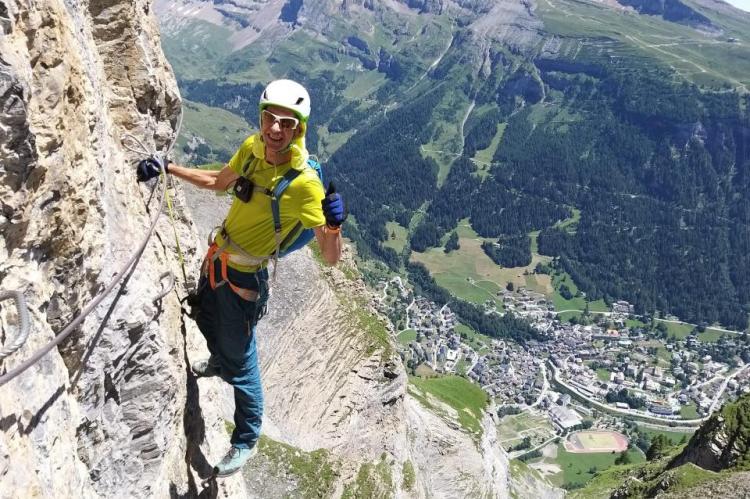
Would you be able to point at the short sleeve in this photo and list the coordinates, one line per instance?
(308, 197)
(240, 158)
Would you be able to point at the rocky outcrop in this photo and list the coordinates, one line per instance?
(513, 23)
(717, 487)
(722, 442)
(102, 414)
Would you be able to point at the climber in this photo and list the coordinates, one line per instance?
(277, 194)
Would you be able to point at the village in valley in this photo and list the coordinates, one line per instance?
(610, 371)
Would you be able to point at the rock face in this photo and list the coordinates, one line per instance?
(722, 442)
(100, 414)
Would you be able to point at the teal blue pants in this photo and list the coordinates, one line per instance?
(228, 324)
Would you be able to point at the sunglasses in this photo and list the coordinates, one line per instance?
(267, 119)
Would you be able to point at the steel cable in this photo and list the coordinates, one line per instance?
(11, 374)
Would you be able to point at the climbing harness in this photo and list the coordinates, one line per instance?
(23, 319)
(216, 252)
(60, 337)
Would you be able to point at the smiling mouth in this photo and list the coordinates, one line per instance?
(274, 139)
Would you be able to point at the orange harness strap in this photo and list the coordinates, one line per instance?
(214, 253)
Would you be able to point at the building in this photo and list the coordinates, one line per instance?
(651, 385)
(564, 418)
(623, 307)
(661, 409)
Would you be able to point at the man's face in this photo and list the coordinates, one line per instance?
(278, 127)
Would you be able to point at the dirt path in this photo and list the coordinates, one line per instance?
(436, 61)
(463, 123)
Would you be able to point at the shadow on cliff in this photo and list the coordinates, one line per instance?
(76, 367)
(195, 433)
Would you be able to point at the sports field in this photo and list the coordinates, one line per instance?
(596, 441)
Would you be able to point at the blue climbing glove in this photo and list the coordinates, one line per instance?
(333, 207)
(150, 167)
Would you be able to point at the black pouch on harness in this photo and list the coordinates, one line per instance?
(243, 189)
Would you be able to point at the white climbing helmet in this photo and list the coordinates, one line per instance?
(289, 95)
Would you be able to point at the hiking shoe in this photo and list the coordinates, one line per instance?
(233, 461)
(206, 367)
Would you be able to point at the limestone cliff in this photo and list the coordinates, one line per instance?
(101, 414)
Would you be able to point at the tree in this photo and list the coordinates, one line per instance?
(452, 243)
(623, 458)
(514, 251)
(642, 442)
(506, 410)
(659, 445)
(509, 286)
(524, 444)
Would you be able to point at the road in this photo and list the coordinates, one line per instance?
(714, 328)
(631, 413)
(403, 291)
(724, 384)
(436, 61)
(519, 453)
(385, 290)
(648, 417)
(545, 388)
(407, 316)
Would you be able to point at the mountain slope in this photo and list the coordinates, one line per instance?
(722, 442)
(115, 411)
(637, 120)
(336, 397)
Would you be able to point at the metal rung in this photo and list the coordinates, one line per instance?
(23, 318)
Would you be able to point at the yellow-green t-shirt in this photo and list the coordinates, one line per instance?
(250, 225)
